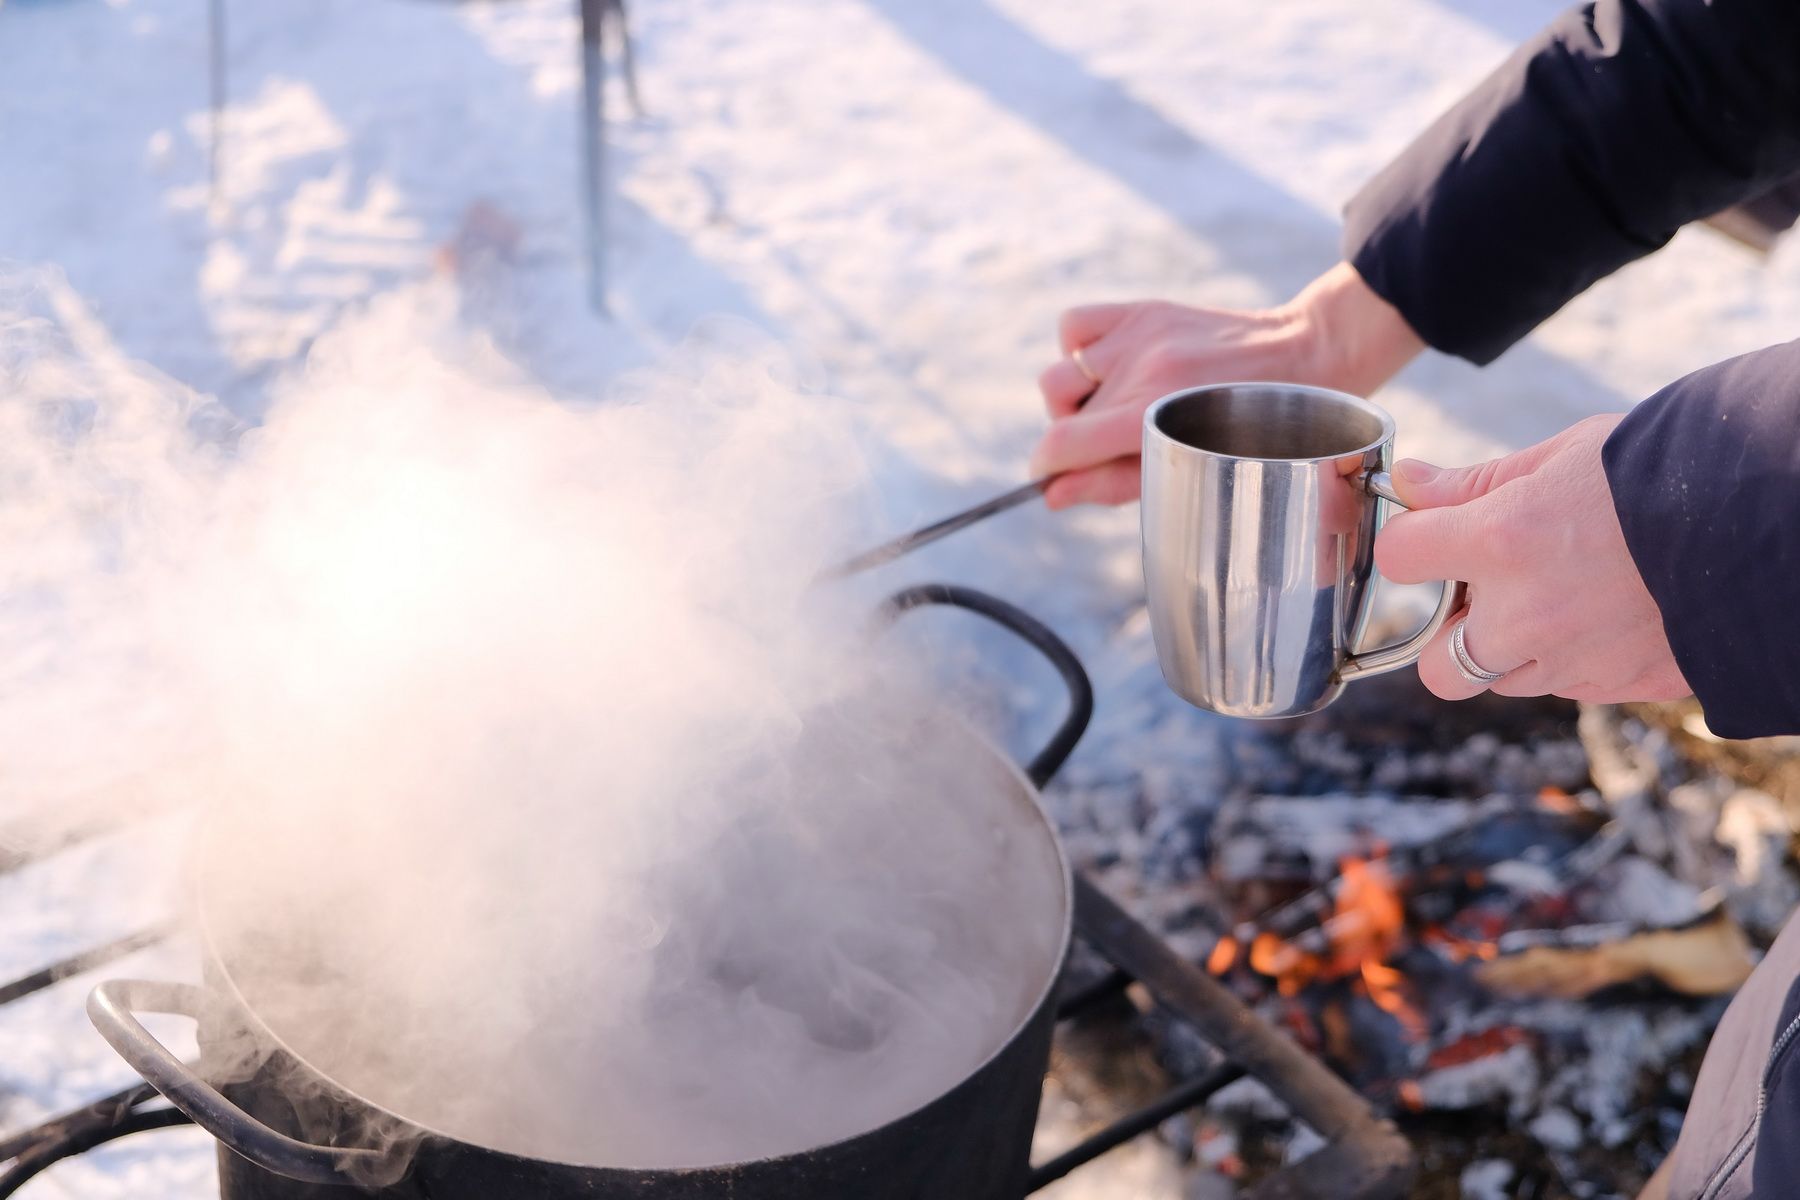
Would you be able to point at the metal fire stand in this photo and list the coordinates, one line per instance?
(597, 17)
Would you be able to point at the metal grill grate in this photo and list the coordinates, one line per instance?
(1364, 1158)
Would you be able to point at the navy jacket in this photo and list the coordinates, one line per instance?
(1588, 148)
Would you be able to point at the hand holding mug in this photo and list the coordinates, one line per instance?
(1261, 505)
(1117, 359)
(1556, 605)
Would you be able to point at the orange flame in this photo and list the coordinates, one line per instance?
(1223, 955)
(1370, 917)
(1386, 988)
(1460, 949)
(1289, 966)
(1366, 928)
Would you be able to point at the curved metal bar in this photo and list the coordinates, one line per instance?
(112, 1007)
(34, 1161)
(102, 1113)
(1045, 764)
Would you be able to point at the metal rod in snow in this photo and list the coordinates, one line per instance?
(87, 960)
(1187, 1095)
(216, 57)
(593, 146)
(627, 58)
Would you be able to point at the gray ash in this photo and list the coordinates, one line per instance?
(1205, 826)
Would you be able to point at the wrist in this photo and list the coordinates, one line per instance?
(1353, 339)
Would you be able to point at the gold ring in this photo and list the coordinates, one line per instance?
(1081, 364)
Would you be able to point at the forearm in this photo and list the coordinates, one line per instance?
(1357, 340)
(1705, 476)
(1587, 149)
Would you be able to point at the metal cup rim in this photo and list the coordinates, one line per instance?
(1152, 432)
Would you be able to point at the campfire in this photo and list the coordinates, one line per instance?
(1510, 925)
(1507, 927)
(1421, 934)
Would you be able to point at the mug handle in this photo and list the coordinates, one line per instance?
(1401, 654)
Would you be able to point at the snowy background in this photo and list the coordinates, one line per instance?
(906, 191)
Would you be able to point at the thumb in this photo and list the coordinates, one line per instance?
(1422, 485)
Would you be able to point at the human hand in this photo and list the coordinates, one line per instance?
(1555, 599)
(1336, 333)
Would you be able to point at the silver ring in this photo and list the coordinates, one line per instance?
(1471, 670)
(1081, 364)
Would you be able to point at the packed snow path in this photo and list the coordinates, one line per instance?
(906, 190)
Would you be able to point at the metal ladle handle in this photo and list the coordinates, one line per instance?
(906, 543)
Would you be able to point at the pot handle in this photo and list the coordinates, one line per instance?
(112, 1007)
(1081, 692)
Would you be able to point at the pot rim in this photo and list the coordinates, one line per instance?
(1025, 793)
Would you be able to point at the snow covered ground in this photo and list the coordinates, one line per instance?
(907, 191)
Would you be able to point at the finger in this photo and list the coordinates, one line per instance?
(1422, 485)
(1101, 359)
(1529, 679)
(1437, 671)
(1105, 356)
(1646, 689)
(1434, 543)
(1088, 324)
(1091, 437)
(1116, 482)
(1065, 388)
(1438, 668)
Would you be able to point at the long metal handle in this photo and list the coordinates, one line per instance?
(906, 543)
(112, 1007)
(1404, 653)
(1039, 636)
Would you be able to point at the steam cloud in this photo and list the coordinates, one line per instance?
(545, 801)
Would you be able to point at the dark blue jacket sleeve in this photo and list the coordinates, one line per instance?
(1587, 149)
(1706, 479)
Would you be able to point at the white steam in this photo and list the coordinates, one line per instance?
(546, 800)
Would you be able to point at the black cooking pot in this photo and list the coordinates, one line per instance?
(287, 1132)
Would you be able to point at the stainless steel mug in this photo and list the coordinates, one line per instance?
(1261, 504)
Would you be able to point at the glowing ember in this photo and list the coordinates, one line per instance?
(1288, 965)
(1459, 949)
(1387, 988)
(1223, 956)
(1370, 917)
(1366, 928)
